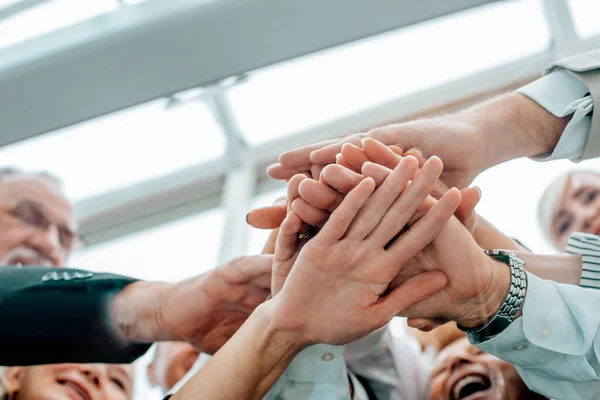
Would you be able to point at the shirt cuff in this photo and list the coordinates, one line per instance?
(520, 343)
(588, 246)
(562, 94)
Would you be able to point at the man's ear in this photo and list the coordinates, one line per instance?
(151, 374)
(11, 378)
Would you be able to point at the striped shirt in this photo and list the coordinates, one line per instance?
(588, 246)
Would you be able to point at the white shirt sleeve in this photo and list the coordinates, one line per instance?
(393, 367)
(555, 344)
(317, 372)
(562, 94)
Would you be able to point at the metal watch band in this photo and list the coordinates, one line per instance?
(514, 298)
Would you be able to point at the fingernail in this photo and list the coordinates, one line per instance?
(338, 156)
(247, 216)
(478, 191)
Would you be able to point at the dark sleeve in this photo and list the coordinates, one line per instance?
(60, 315)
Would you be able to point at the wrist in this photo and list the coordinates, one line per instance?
(136, 312)
(514, 126)
(485, 305)
(277, 336)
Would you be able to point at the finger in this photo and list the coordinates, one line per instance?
(439, 188)
(354, 155)
(377, 206)
(397, 149)
(380, 153)
(263, 284)
(405, 205)
(412, 291)
(418, 154)
(247, 268)
(308, 213)
(292, 188)
(425, 324)
(315, 171)
(426, 229)
(340, 178)
(470, 198)
(326, 154)
(287, 237)
(269, 217)
(269, 247)
(378, 172)
(342, 217)
(320, 195)
(278, 171)
(341, 160)
(285, 251)
(299, 159)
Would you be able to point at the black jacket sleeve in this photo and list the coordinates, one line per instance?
(60, 315)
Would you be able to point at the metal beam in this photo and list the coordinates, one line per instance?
(153, 202)
(237, 199)
(560, 22)
(19, 7)
(158, 48)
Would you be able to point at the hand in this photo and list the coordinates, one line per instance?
(207, 310)
(435, 136)
(387, 157)
(334, 291)
(469, 142)
(469, 291)
(318, 199)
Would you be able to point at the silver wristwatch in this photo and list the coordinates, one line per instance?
(513, 301)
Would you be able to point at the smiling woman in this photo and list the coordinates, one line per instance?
(75, 381)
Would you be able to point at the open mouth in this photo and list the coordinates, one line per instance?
(470, 385)
(78, 389)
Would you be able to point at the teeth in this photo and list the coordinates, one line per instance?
(78, 390)
(466, 381)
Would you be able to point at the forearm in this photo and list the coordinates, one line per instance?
(135, 312)
(562, 268)
(488, 237)
(248, 364)
(514, 126)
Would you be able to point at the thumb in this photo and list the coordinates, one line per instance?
(466, 210)
(411, 292)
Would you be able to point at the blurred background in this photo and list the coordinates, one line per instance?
(161, 116)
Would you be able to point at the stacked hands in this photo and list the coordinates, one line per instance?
(376, 235)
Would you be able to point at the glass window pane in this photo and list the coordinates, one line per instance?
(314, 89)
(50, 16)
(171, 252)
(122, 148)
(585, 17)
